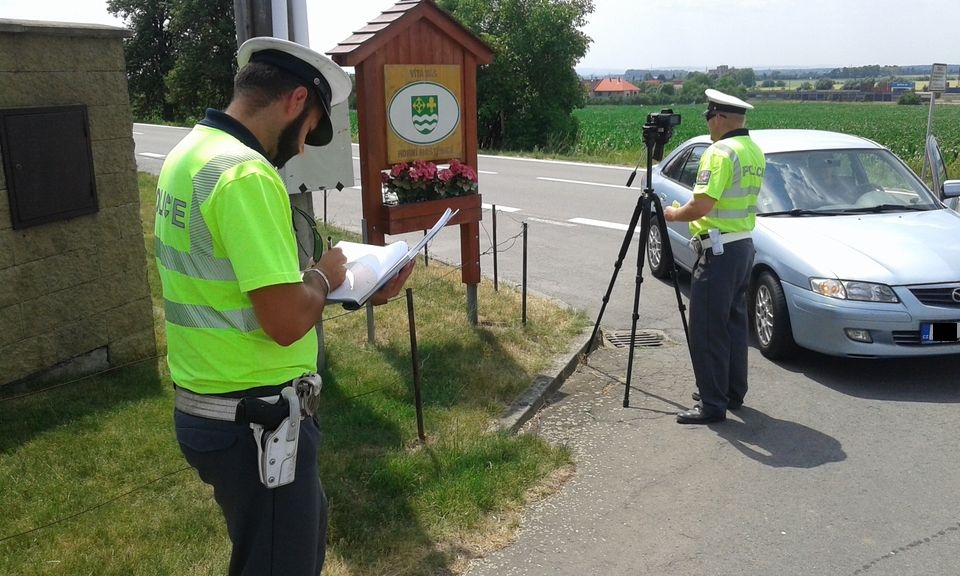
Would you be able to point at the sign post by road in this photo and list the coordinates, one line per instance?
(938, 83)
(416, 71)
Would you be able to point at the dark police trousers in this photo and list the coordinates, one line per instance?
(275, 531)
(718, 325)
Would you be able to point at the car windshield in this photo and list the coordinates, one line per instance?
(833, 182)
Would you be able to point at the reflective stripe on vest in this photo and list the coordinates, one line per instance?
(203, 266)
(204, 182)
(196, 316)
(200, 263)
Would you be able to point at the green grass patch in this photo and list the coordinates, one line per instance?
(92, 480)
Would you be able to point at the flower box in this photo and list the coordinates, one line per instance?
(414, 216)
(421, 181)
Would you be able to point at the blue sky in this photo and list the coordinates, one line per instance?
(689, 34)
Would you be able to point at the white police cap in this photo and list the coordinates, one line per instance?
(717, 100)
(329, 81)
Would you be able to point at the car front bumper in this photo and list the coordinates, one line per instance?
(819, 323)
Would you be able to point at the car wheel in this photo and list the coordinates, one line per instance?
(656, 256)
(771, 321)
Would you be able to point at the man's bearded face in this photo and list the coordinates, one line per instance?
(290, 140)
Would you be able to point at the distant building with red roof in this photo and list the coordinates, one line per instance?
(614, 87)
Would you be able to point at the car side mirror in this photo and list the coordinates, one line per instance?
(951, 189)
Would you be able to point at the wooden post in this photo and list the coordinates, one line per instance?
(415, 360)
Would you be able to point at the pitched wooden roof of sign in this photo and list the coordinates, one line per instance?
(395, 20)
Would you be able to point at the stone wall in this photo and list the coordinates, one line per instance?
(74, 296)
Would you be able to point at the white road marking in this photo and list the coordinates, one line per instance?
(554, 162)
(553, 222)
(499, 207)
(621, 186)
(153, 155)
(601, 224)
(162, 126)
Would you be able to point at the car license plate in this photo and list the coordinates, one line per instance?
(938, 332)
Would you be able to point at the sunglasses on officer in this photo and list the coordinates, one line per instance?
(709, 113)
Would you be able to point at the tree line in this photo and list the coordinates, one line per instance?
(660, 90)
(181, 56)
(690, 91)
(181, 60)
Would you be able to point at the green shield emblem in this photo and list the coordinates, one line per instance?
(425, 113)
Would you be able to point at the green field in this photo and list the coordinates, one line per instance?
(615, 133)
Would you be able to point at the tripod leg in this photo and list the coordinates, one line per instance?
(616, 268)
(641, 254)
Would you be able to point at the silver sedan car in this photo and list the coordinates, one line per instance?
(855, 256)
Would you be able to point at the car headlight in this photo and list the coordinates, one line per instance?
(853, 290)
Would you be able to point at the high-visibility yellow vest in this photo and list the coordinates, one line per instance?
(730, 172)
(223, 228)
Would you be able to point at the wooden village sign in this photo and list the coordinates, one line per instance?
(415, 61)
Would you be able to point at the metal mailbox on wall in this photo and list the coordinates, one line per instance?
(48, 163)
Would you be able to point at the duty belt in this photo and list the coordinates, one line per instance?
(212, 407)
(242, 410)
(274, 421)
(726, 238)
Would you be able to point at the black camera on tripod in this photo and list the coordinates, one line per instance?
(658, 129)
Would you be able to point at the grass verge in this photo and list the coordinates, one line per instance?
(92, 481)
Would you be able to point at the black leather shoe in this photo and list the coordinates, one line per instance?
(730, 406)
(696, 416)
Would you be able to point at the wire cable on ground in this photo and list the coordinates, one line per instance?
(80, 379)
(94, 507)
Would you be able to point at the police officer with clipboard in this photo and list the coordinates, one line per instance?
(240, 313)
(721, 214)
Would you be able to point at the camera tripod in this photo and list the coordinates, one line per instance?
(648, 203)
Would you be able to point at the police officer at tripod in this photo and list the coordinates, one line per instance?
(721, 214)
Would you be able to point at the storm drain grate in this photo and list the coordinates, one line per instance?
(644, 338)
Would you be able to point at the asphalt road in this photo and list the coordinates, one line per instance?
(567, 259)
(835, 466)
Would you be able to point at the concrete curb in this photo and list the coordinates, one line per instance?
(543, 385)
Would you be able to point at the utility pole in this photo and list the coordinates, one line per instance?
(254, 18)
(258, 18)
(284, 19)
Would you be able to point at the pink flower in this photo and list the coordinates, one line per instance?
(422, 180)
(398, 169)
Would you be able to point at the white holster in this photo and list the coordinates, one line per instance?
(277, 449)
